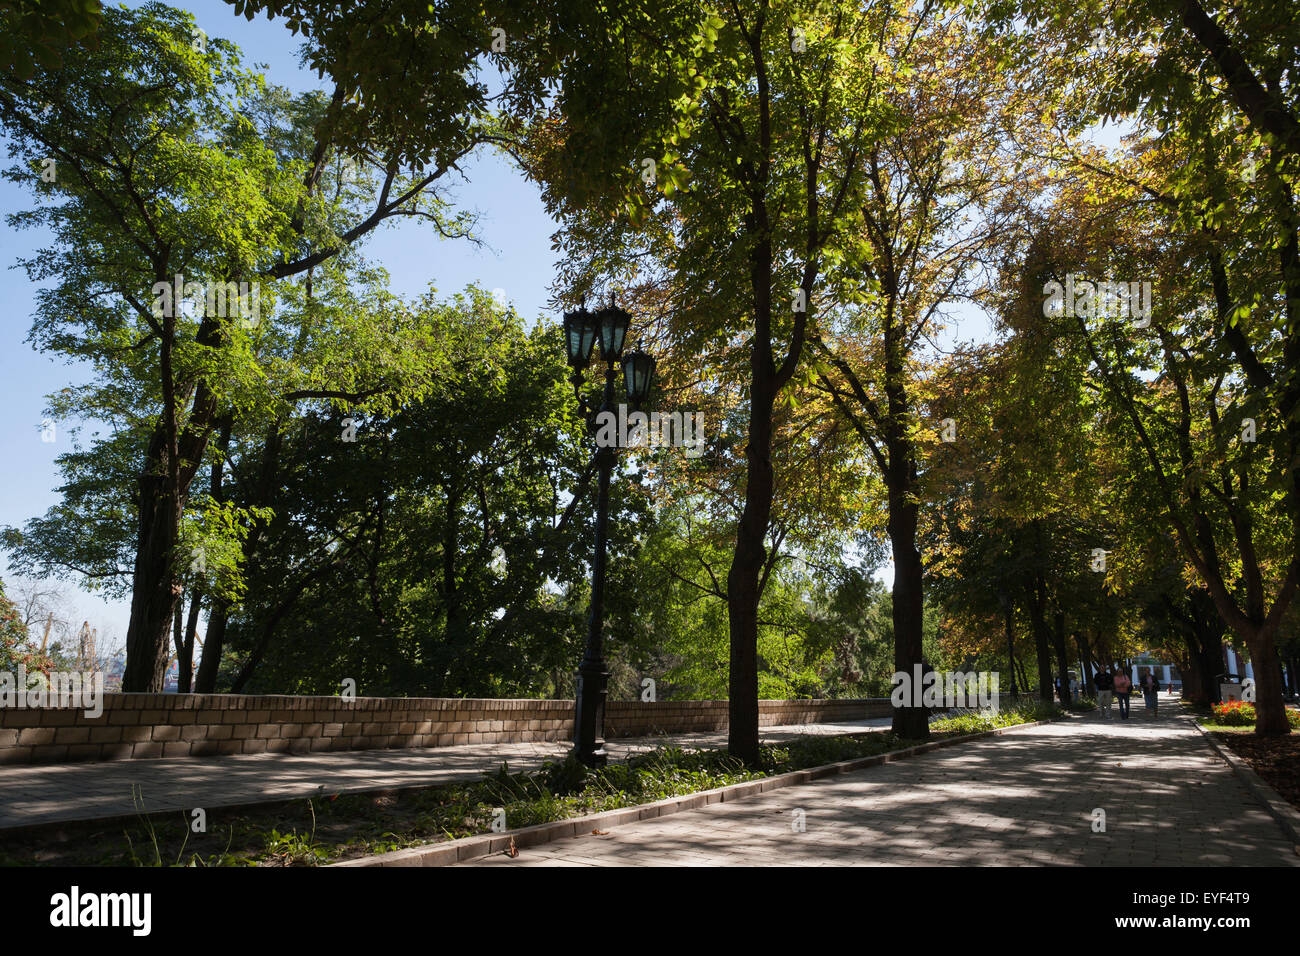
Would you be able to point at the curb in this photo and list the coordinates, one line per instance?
(1285, 814)
(469, 848)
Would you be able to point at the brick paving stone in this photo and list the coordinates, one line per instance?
(43, 793)
(1025, 798)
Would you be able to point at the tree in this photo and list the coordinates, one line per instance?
(15, 642)
(436, 549)
(940, 192)
(1019, 503)
(718, 162)
(156, 150)
(40, 31)
(1217, 175)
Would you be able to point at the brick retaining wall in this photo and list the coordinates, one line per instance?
(194, 725)
(633, 718)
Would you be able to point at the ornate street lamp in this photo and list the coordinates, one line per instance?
(638, 372)
(579, 337)
(613, 323)
(581, 329)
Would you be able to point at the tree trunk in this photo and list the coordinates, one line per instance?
(1038, 622)
(154, 590)
(1270, 711)
(1085, 663)
(1194, 673)
(178, 630)
(170, 465)
(746, 567)
(1204, 638)
(205, 682)
(1062, 664)
(1009, 613)
(910, 722)
(1024, 676)
(450, 549)
(185, 653)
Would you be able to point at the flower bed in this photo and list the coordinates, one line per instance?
(1241, 713)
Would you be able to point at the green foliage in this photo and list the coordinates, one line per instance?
(40, 32)
(436, 554)
(1240, 713)
(15, 645)
(164, 157)
(1022, 711)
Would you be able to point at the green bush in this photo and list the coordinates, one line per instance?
(1018, 713)
(1234, 713)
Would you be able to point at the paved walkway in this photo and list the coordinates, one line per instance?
(1025, 798)
(39, 794)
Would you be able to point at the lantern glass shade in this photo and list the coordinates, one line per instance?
(638, 373)
(613, 323)
(579, 336)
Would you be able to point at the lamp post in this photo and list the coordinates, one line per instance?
(581, 331)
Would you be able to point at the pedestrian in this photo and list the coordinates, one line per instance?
(1151, 692)
(1123, 687)
(1105, 682)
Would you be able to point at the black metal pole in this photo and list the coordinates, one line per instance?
(593, 675)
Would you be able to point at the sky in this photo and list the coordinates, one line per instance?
(515, 256)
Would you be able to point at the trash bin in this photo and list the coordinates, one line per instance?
(1229, 688)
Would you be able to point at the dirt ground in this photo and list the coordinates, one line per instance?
(1275, 759)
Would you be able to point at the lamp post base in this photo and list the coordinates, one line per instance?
(589, 715)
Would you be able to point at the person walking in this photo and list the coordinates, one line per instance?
(1150, 692)
(1123, 687)
(1105, 682)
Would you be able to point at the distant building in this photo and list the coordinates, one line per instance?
(1232, 660)
(113, 671)
(1167, 674)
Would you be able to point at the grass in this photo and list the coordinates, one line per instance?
(1225, 728)
(1235, 719)
(975, 723)
(342, 827)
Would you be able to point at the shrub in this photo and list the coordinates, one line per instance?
(1022, 712)
(1235, 713)
(1241, 713)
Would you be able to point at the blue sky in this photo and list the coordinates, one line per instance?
(516, 257)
